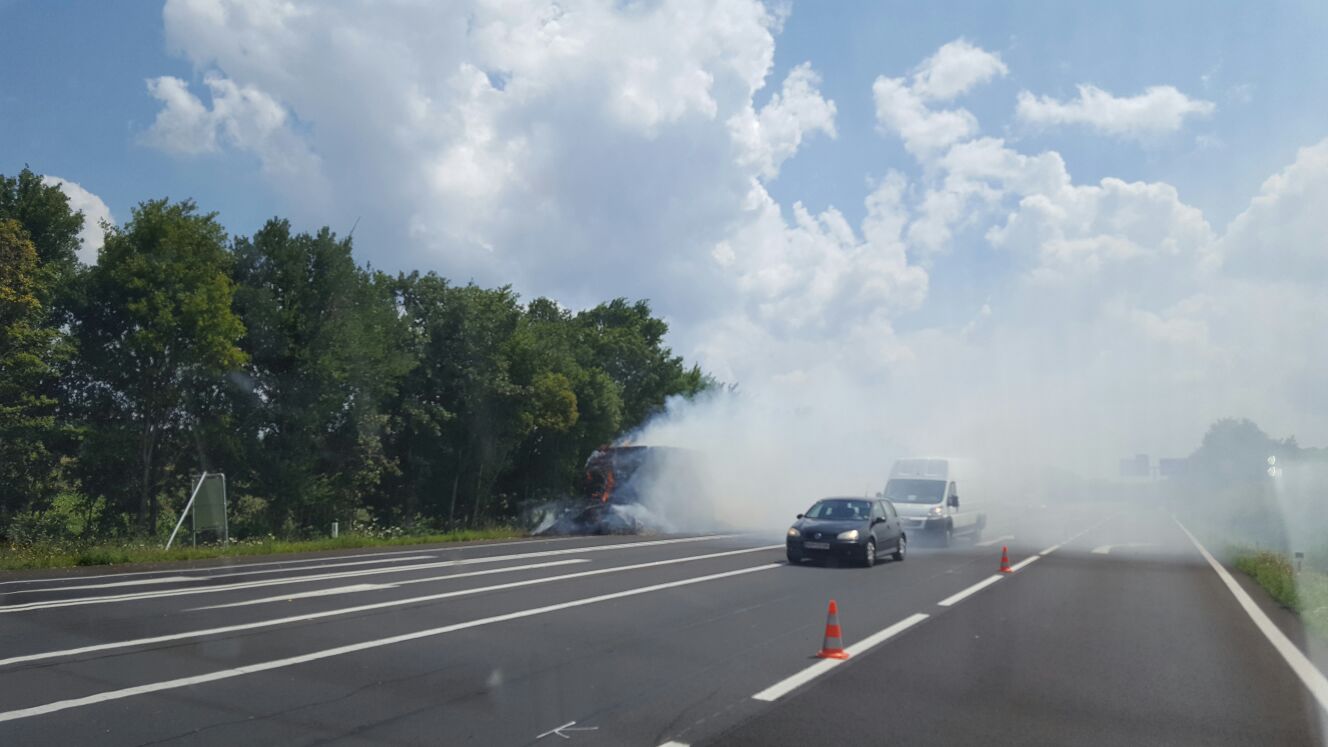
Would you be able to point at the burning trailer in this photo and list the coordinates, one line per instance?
(628, 490)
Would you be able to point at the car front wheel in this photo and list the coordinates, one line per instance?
(869, 553)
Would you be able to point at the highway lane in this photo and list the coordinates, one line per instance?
(689, 633)
(1139, 644)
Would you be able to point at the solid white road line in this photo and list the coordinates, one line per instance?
(79, 601)
(1050, 550)
(787, 685)
(1026, 561)
(110, 585)
(994, 540)
(189, 579)
(351, 610)
(394, 585)
(291, 661)
(966, 593)
(352, 589)
(207, 569)
(1309, 674)
(449, 547)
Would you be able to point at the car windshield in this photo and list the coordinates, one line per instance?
(839, 509)
(915, 491)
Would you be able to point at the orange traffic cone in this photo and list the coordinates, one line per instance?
(833, 647)
(1005, 560)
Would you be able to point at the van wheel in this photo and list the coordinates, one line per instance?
(902, 549)
(869, 554)
(947, 537)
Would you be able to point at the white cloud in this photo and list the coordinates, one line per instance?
(955, 68)
(556, 146)
(184, 125)
(776, 132)
(241, 117)
(1283, 235)
(95, 213)
(925, 131)
(588, 150)
(1158, 110)
(1084, 230)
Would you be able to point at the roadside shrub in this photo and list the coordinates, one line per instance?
(1274, 573)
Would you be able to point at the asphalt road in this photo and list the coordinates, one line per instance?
(1121, 633)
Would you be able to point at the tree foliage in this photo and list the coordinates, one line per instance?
(326, 391)
(27, 415)
(155, 334)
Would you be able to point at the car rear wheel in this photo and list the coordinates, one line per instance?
(869, 553)
(902, 549)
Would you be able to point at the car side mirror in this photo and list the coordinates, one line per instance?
(878, 520)
(799, 516)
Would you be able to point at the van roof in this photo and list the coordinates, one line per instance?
(925, 468)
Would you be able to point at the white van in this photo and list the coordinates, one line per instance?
(926, 494)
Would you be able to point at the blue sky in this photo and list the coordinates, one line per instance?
(1093, 243)
(75, 103)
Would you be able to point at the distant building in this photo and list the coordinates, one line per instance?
(1172, 467)
(1138, 465)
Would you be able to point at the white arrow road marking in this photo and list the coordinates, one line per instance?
(994, 540)
(1106, 549)
(569, 726)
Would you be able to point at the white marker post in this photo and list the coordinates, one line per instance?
(185, 512)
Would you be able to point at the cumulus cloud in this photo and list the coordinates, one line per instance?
(903, 106)
(587, 150)
(95, 214)
(1283, 235)
(1158, 110)
(775, 133)
(955, 68)
(240, 117)
(546, 144)
(925, 131)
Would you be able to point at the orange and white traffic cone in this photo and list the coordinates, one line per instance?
(1005, 560)
(833, 646)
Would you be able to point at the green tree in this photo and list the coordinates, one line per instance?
(627, 342)
(325, 352)
(556, 358)
(155, 331)
(463, 412)
(1236, 451)
(27, 343)
(43, 211)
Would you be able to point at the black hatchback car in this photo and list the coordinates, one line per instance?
(855, 529)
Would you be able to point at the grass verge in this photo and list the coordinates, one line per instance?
(1305, 592)
(68, 555)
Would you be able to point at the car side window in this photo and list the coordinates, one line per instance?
(877, 512)
(891, 508)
